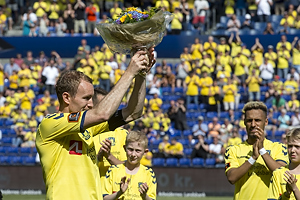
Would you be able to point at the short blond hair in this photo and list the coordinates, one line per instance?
(255, 105)
(293, 134)
(137, 136)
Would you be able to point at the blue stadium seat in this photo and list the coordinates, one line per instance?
(260, 25)
(5, 132)
(12, 151)
(211, 115)
(15, 160)
(210, 162)
(209, 141)
(187, 132)
(184, 162)
(242, 132)
(286, 97)
(264, 88)
(189, 116)
(218, 32)
(165, 106)
(187, 152)
(4, 160)
(6, 141)
(171, 162)
(238, 114)
(192, 107)
(2, 151)
(25, 151)
(158, 162)
(202, 106)
(177, 133)
(191, 123)
(9, 122)
(275, 18)
(2, 122)
(276, 114)
(184, 142)
(178, 90)
(241, 106)
(198, 162)
(224, 19)
(278, 133)
(28, 160)
(166, 90)
(262, 97)
(224, 115)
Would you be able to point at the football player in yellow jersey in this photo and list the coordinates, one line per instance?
(131, 180)
(65, 139)
(284, 183)
(249, 165)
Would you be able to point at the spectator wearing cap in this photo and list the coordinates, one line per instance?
(223, 46)
(253, 82)
(278, 84)
(266, 72)
(271, 56)
(247, 24)
(290, 86)
(263, 9)
(199, 129)
(283, 121)
(293, 104)
(283, 61)
(295, 119)
(296, 53)
(233, 24)
(269, 30)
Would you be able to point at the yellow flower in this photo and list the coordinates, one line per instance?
(123, 18)
(130, 15)
(131, 9)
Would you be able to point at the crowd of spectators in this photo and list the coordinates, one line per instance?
(195, 103)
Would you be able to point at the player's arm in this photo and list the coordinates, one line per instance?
(270, 162)
(110, 103)
(105, 151)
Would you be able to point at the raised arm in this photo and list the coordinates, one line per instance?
(135, 105)
(110, 103)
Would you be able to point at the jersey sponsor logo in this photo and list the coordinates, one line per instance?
(75, 147)
(112, 140)
(74, 117)
(86, 135)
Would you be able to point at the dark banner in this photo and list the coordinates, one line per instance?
(170, 181)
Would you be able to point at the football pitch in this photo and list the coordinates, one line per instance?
(42, 197)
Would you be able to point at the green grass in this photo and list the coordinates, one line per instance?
(42, 197)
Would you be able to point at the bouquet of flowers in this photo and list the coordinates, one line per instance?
(135, 29)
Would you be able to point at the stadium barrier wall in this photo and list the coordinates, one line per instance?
(171, 46)
(171, 181)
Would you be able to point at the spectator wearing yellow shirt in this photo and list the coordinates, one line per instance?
(283, 42)
(258, 50)
(278, 84)
(115, 11)
(164, 4)
(239, 68)
(19, 118)
(205, 83)
(13, 81)
(290, 86)
(229, 91)
(162, 147)
(176, 25)
(2, 22)
(192, 82)
(29, 138)
(283, 62)
(175, 149)
(155, 103)
(253, 82)
(297, 22)
(40, 8)
(296, 53)
(54, 12)
(271, 56)
(5, 110)
(196, 49)
(32, 121)
(223, 46)
(40, 110)
(1, 78)
(186, 56)
(26, 99)
(24, 76)
(11, 99)
(210, 47)
(234, 139)
(293, 104)
(104, 77)
(214, 97)
(235, 43)
(147, 159)
(287, 18)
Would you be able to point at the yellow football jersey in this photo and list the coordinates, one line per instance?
(68, 156)
(117, 138)
(144, 174)
(278, 184)
(255, 183)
